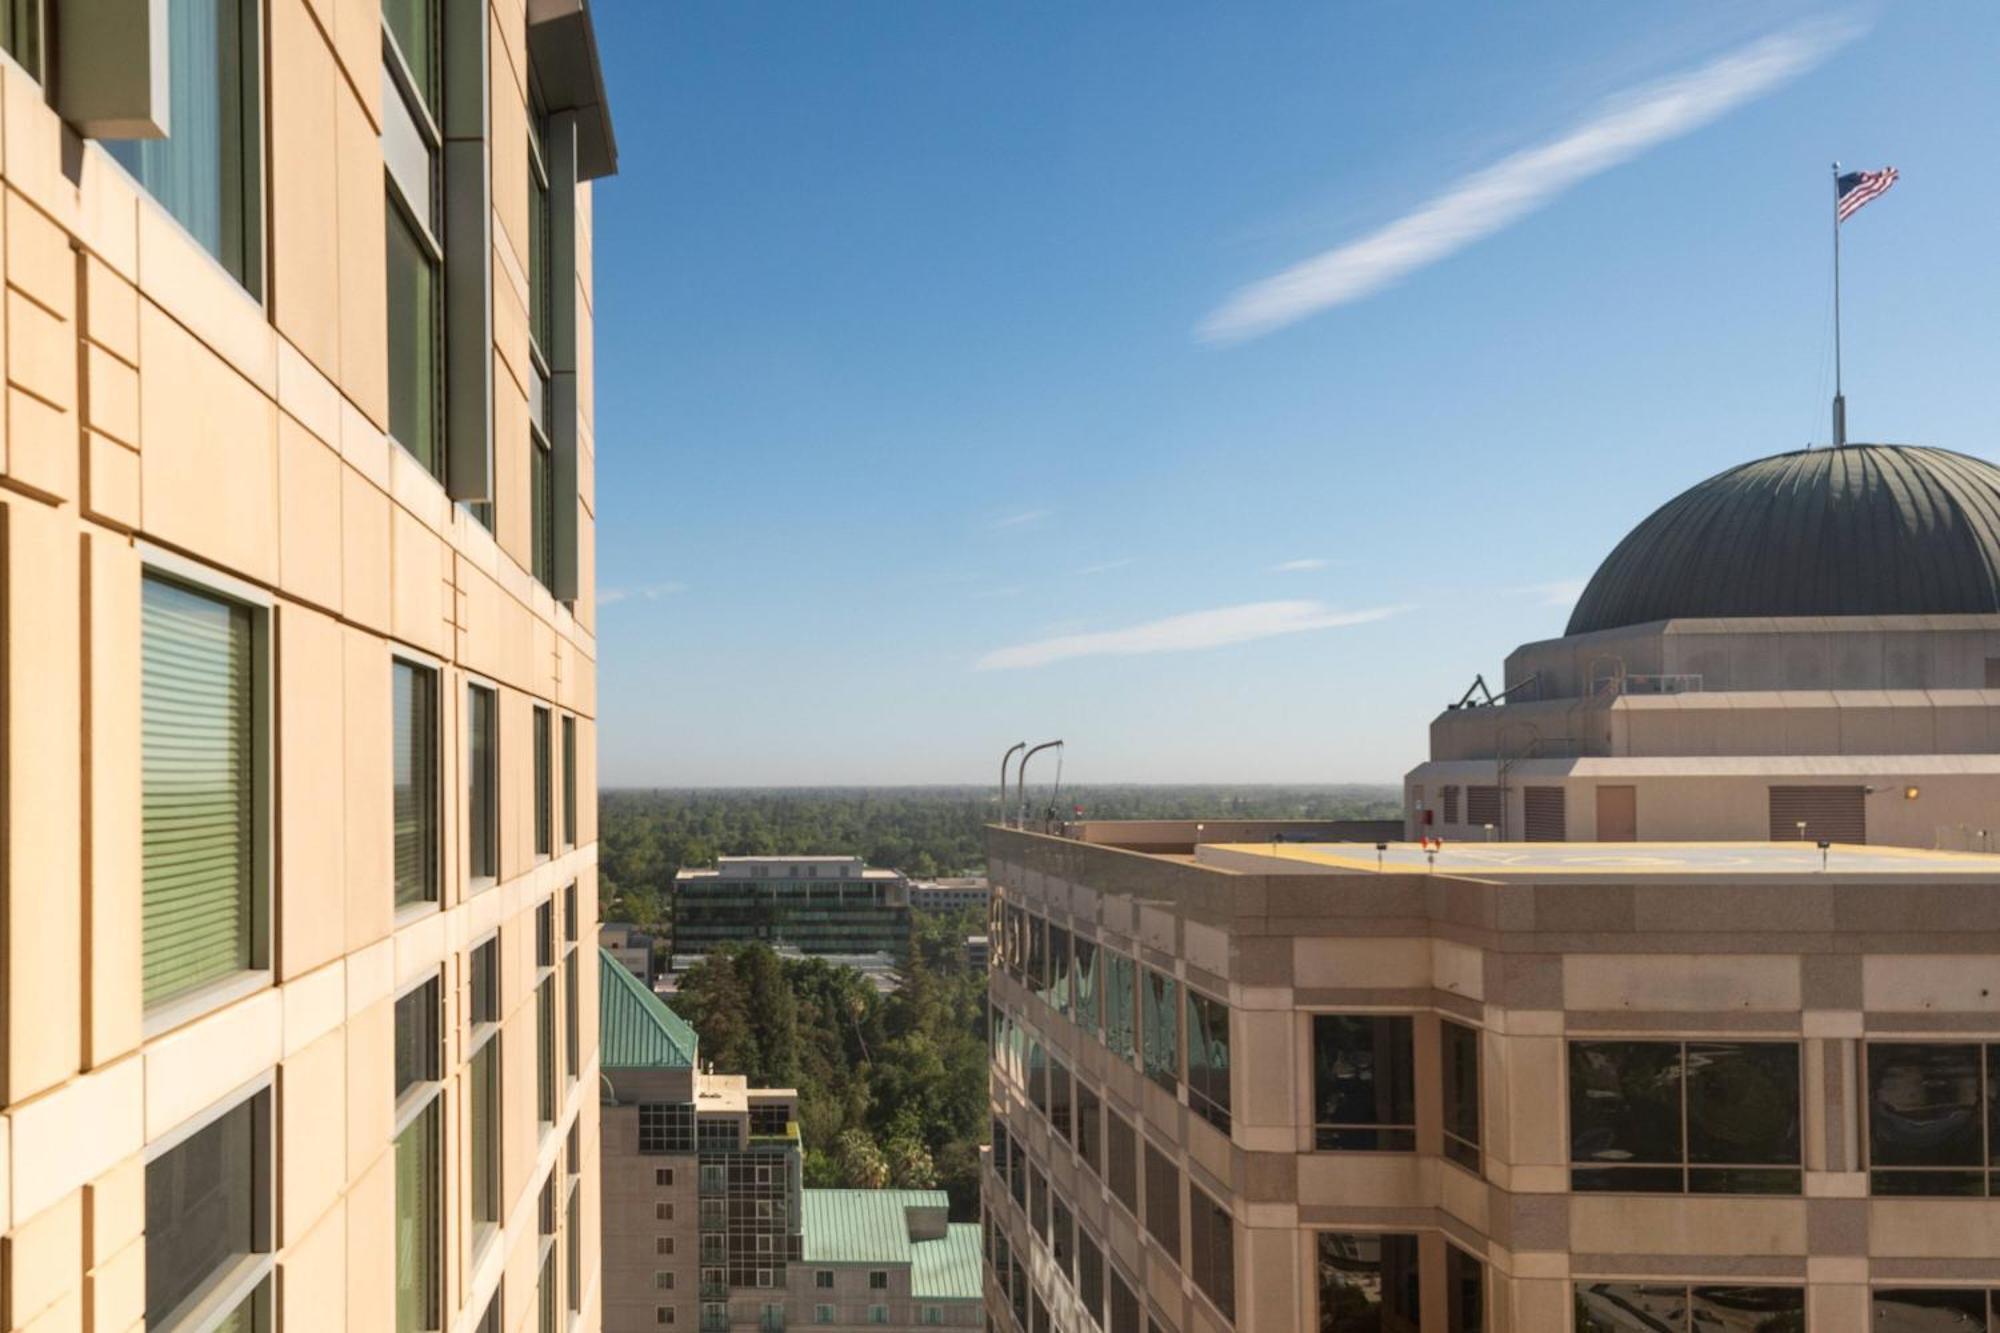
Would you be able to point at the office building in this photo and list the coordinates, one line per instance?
(1510, 1088)
(1804, 646)
(951, 894)
(632, 947)
(819, 905)
(1712, 1065)
(705, 1217)
(295, 571)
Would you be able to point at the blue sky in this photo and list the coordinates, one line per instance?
(945, 397)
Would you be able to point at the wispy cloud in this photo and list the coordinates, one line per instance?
(1301, 566)
(1555, 592)
(1183, 633)
(1021, 519)
(1105, 567)
(1490, 199)
(651, 592)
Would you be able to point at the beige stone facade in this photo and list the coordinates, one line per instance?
(1417, 1086)
(169, 416)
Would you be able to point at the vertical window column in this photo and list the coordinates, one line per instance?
(483, 1076)
(415, 780)
(419, 1148)
(482, 778)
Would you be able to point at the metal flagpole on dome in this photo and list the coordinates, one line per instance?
(1839, 398)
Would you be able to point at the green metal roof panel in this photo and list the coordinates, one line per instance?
(1869, 529)
(635, 1029)
(872, 1227)
(947, 1269)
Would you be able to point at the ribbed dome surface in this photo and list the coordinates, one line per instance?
(1869, 529)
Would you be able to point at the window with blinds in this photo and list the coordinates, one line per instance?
(199, 773)
(544, 786)
(482, 718)
(416, 769)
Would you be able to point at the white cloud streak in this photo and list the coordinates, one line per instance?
(1490, 199)
(1303, 566)
(651, 592)
(1026, 516)
(1183, 633)
(1556, 592)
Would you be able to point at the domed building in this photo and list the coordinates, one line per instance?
(1807, 645)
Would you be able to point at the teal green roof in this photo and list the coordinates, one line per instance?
(635, 1029)
(870, 1227)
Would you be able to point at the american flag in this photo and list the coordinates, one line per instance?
(1857, 187)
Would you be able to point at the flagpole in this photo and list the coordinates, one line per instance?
(1839, 398)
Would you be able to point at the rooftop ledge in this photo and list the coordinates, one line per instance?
(1625, 861)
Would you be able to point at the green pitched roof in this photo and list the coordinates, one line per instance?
(870, 1227)
(635, 1029)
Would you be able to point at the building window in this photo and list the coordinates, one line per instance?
(1125, 1307)
(1089, 1127)
(1692, 1117)
(663, 1212)
(1122, 1153)
(1367, 1281)
(572, 1023)
(1928, 1110)
(412, 148)
(1163, 1201)
(1038, 1203)
(545, 1052)
(490, 1321)
(878, 1314)
(483, 1012)
(663, 1245)
(822, 1314)
(1121, 990)
(206, 171)
(1451, 805)
(21, 33)
(663, 1314)
(204, 728)
(1090, 1275)
(1038, 954)
(419, 1214)
(1464, 1292)
(1212, 1250)
(666, 1127)
(1458, 1049)
(541, 509)
(1208, 1059)
(416, 783)
(482, 776)
(544, 784)
(878, 1280)
(1364, 1095)
(932, 1314)
(1160, 1014)
(1932, 1309)
(569, 787)
(1059, 978)
(1059, 1097)
(1614, 1307)
(1038, 1076)
(823, 1279)
(1482, 807)
(1062, 1234)
(208, 1221)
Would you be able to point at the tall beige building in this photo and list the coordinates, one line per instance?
(295, 597)
(1653, 1043)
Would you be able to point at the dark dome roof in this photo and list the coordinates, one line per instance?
(1869, 529)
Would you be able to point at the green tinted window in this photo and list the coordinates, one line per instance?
(198, 728)
(414, 381)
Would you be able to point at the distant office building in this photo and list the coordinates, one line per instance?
(819, 905)
(632, 947)
(950, 894)
(1805, 646)
(705, 1219)
(978, 952)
